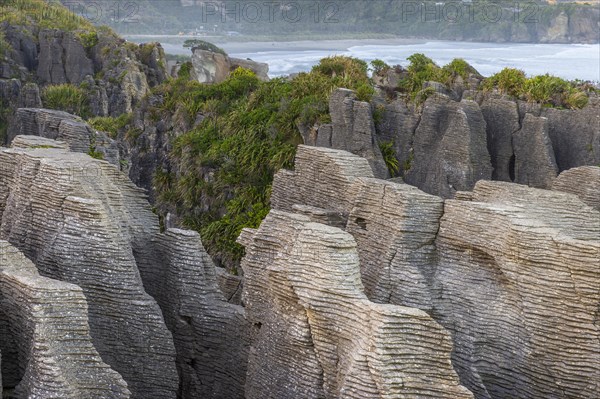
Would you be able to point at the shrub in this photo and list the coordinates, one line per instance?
(545, 88)
(185, 70)
(420, 70)
(46, 15)
(459, 67)
(225, 165)
(88, 39)
(389, 156)
(202, 45)
(66, 97)
(365, 92)
(344, 71)
(379, 66)
(509, 81)
(110, 125)
(576, 99)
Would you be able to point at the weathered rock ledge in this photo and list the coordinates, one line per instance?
(510, 271)
(87, 227)
(38, 359)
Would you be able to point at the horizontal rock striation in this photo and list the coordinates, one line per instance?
(583, 182)
(510, 271)
(517, 285)
(395, 226)
(38, 142)
(209, 333)
(40, 359)
(449, 148)
(156, 314)
(322, 178)
(62, 126)
(316, 333)
(352, 129)
(82, 222)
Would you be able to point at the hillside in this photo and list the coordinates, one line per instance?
(357, 231)
(479, 20)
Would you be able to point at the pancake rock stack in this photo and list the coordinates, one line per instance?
(510, 271)
(39, 359)
(62, 126)
(83, 223)
(316, 330)
(583, 182)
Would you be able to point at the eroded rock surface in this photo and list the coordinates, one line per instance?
(210, 334)
(575, 134)
(213, 67)
(83, 222)
(39, 359)
(584, 182)
(352, 129)
(521, 298)
(62, 126)
(535, 165)
(62, 58)
(502, 121)
(449, 147)
(316, 335)
(80, 221)
(510, 271)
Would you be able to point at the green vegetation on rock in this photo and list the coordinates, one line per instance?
(545, 89)
(4, 45)
(45, 14)
(224, 167)
(508, 81)
(379, 66)
(389, 156)
(66, 97)
(110, 125)
(202, 45)
(422, 69)
(88, 39)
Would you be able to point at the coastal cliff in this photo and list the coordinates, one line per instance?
(421, 232)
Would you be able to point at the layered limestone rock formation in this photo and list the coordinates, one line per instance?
(511, 271)
(449, 148)
(210, 335)
(155, 315)
(583, 182)
(117, 75)
(316, 335)
(521, 299)
(535, 165)
(213, 67)
(39, 359)
(575, 134)
(80, 221)
(447, 145)
(502, 121)
(62, 126)
(352, 129)
(63, 58)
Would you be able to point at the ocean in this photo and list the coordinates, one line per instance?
(569, 61)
